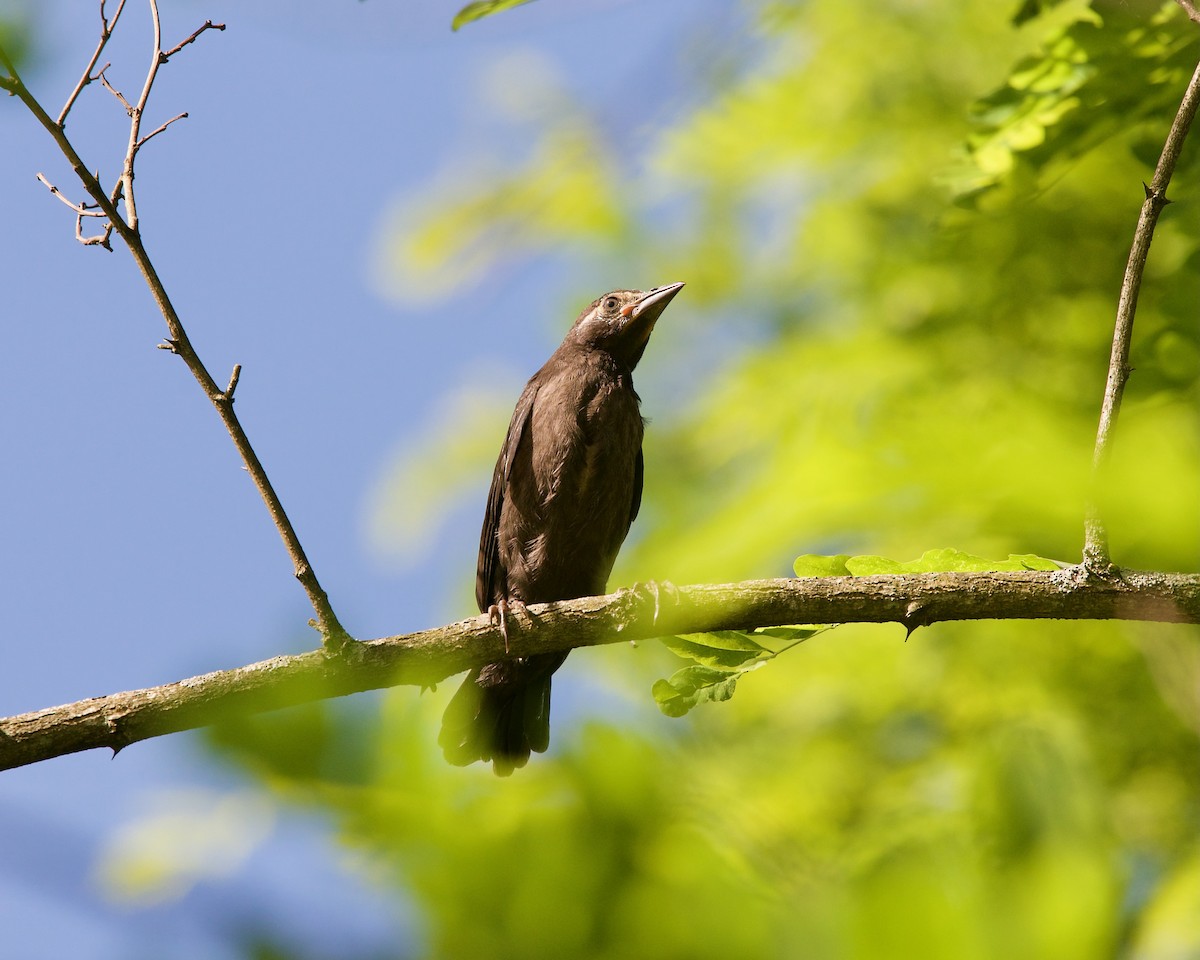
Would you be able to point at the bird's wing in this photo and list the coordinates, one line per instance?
(489, 576)
(639, 469)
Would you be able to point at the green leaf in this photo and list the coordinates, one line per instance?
(483, 8)
(815, 565)
(720, 658)
(691, 686)
(1105, 73)
(931, 561)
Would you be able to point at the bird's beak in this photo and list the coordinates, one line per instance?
(652, 303)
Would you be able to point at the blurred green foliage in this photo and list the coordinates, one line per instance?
(910, 371)
(931, 561)
(15, 37)
(482, 8)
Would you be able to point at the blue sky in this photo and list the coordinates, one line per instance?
(133, 549)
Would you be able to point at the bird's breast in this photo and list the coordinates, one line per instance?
(585, 435)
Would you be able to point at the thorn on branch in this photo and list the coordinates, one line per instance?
(169, 344)
(1158, 199)
(916, 615)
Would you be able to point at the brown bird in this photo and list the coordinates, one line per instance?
(567, 485)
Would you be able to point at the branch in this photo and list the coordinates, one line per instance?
(81, 209)
(1095, 547)
(208, 25)
(638, 613)
(106, 28)
(326, 621)
(154, 133)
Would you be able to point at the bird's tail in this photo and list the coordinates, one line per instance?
(501, 713)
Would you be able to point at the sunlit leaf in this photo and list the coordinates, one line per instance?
(721, 657)
(1085, 86)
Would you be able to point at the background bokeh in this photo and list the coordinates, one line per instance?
(903, 229)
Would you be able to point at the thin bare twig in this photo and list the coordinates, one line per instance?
(135, 119)
(333, 633)
(106, 29)
(98, 240)
(1096, 555)
(82, 209)
(208, 25)
(114, 91)
(154, 133)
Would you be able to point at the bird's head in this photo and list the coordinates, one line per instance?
(621, 322)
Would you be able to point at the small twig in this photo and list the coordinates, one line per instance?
(1096, 555)
(114, 91)
(106, 29)
(1190, 9)
(208, 25)
(82, 209)
(227, 396)
(136, 140)
(99, 240)
(154, 133)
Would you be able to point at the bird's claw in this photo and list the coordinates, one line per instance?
(497, 615)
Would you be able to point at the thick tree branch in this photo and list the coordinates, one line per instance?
(1095, 547)
(639, 613)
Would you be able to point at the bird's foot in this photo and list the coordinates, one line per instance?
(497, 615)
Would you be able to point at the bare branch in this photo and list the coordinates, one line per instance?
(106, 28)
(1095, 548)
(233, 382)
(208, 25)
(82, 209)
(333, 633)
(154, 133)
(113, 90)
(639, 613)
(136, 140)
(98, 240)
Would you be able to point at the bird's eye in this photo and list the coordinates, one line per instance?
(611, 304)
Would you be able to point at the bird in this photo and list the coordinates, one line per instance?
(565, 490)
